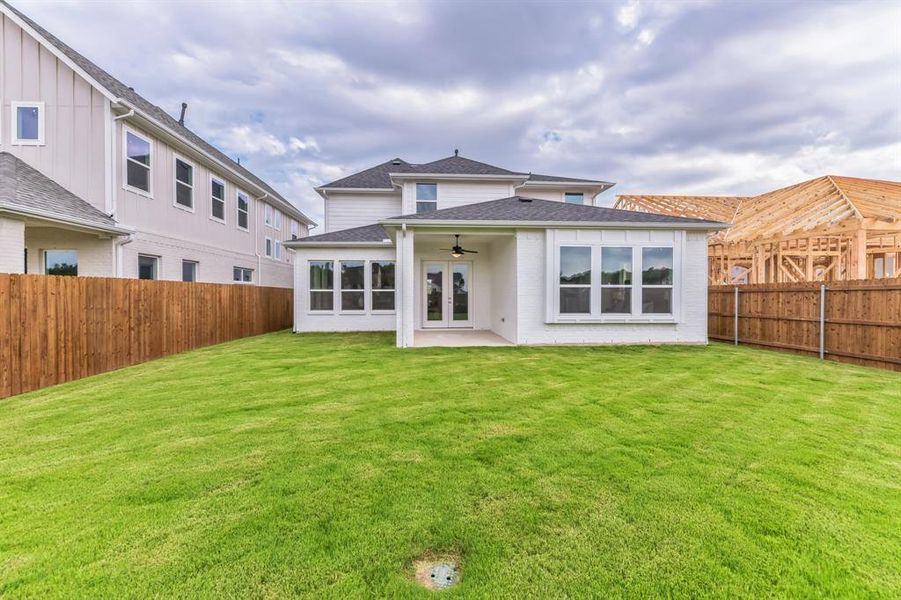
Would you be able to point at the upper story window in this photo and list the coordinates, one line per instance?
(294, 229)
(28, 118)
(426, 197)
(267, 215)
(243, 211)
(574, 198)
(184, 184)
(138, 155)
(217, 199)
(278, 250)
(277, 219)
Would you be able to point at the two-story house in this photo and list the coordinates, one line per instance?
(96, 180)
(461, 252)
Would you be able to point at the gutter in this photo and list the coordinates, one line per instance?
(72, 221)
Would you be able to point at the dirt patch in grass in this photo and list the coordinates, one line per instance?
(438, 570)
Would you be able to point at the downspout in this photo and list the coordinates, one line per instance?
(117, 245)
(401, 248)
(256, 247)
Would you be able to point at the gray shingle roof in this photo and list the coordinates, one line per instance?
(121, 90)
(518, 208)
(25, 189)
(377, 177)
(367, 233)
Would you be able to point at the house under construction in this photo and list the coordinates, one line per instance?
(827, 229)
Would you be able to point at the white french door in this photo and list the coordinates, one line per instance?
(447, 294)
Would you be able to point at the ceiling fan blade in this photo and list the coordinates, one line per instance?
(471, 251)
(446, 249)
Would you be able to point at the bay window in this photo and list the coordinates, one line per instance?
(322, 282)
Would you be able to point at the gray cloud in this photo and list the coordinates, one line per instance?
(663, 97)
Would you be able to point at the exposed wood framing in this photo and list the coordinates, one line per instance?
(826, 229)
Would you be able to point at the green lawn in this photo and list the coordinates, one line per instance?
(323, 465)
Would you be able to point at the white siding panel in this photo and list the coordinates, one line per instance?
(458, 193)
(345, 211)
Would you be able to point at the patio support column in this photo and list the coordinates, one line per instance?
(12, 246)
(405, 264)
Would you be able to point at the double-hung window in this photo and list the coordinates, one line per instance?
(426, 197)
(242, 275)
(267, 215)
(294, 229)
(28, 123)
(138, 156)
(278, 250)
(656, 281)
(243, 211)
(268, 249)
(184, 184)
(382, 285)
(217, 199)
(353, 282)
(322, 283)
(575, 279)
(616, 280)
(277, 219)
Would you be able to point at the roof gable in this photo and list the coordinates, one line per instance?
(115, 89)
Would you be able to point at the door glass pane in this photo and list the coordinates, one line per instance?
(461, 292)
(434, 281)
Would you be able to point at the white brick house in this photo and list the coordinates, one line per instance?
(96, 180)
(462, 252)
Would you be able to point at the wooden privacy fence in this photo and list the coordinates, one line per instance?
(849, 321)
(57, 329)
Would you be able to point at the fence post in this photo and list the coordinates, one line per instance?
(822, 321)
(736, 315)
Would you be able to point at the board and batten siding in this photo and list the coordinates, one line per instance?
(75, 115)
(690, 326)
(453, 193)
(346, 211)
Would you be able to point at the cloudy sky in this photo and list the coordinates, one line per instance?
(660, 97)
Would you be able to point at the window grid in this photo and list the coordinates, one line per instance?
(382, 292)
(574, 280)
(322, 286)
(138, 163)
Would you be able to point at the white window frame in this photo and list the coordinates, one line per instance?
(552, 271)
(592, 280)
(277, 249)
(340, 285)
(416, 199)
(615, 286)
(238, 210)
(196, 269)
(642, 285)
(14, 123)
(565, 194)
(276, 219)
(43, 256)
(295, 229)
(336, 299)
(125, 159)
(267, 247)
(224, 197)
(267, 215)
(157, 266)
(242, 270)
(176, 182)
(371, 290)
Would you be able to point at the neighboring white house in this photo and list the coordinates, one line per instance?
(457, 251)
(96, 180)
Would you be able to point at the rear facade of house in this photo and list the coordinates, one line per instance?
(456, 245)
(97, 181)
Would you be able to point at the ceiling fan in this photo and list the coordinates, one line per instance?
(457, 251)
